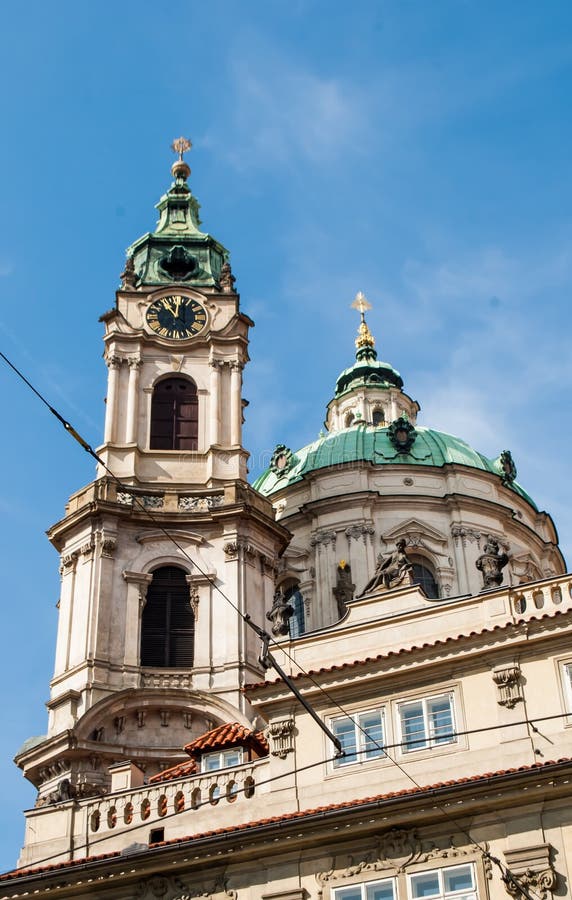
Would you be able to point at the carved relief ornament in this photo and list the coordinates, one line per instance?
(531, 872)
(281, 735)
(397, 849)
(507, 679)
(323, 539)
(360, 530)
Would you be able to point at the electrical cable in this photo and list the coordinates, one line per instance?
(506, 874)
(157, 823)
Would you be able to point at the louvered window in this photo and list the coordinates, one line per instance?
(174, 415)
(168, 622)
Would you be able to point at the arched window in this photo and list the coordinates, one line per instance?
(168, 622)
(349, 420)
(423, 575)
(174, 415)
(297, 623)
(378, 417)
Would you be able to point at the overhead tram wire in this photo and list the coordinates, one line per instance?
(267, 659)
(295, 771)
(266, 638)
(130, 829)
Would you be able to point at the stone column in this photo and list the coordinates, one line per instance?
(132, 399)
(137, 584)
(113, 363)
(235, 405)
(68, 574)
(214, 435)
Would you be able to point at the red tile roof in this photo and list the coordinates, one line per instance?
(301, 814)
(223, 737)
(189, 767)
(228, 735)
(258, 685)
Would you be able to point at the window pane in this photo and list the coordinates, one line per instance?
(381, 890)
(426, 884)
(232, 757)
(351, 893)
(211, 762)
(458, 879)
(440, 719)
(413, 726)
(372, 740)
(345, 731)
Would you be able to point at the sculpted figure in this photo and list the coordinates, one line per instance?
(280, 614)
(491, 562)
(391, 570)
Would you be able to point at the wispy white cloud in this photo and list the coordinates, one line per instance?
(282, 111)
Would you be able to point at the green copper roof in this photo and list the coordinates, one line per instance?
(367, 443)
(369, 372)
(178, 251)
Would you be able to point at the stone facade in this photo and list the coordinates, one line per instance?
(453, 711)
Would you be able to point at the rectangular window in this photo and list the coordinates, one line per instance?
(568, 686)
(361, 736)
(567, 675)
(427, 722)
(223, 759)
(373, 890)
(455, 882)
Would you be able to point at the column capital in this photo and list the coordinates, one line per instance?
(114, 361)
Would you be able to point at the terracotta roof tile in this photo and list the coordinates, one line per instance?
(189, 767)
(223, 737)
(231, 734)
(426, 645)
(301, 814)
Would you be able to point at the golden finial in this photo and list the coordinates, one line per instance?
(180, 169)
(365, 337)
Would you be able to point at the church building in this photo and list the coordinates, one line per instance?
(350, 680)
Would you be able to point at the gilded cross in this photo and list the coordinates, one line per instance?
(180, 146)
(361, 303)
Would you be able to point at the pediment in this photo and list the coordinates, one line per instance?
(157, 536)
(415, 529)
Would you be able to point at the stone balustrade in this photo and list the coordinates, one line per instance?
(108, 490)
(533, 600)
(152, 803)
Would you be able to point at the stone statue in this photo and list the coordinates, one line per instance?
(392, 570)
(280, 614)
(491, 562)
(128, 276)
(344, 589)
(226, 279)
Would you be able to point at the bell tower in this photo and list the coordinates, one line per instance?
(175, 346)
(163, 551)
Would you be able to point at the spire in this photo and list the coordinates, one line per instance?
(365, 341)
(178, 251)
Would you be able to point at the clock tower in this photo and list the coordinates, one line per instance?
(169, 545)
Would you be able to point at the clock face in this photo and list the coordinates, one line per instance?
(176, 317)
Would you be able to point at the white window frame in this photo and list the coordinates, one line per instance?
(360, 737)
(362, 886)
(471, 894)
(430, 740)
(222, 757)
(567, 689)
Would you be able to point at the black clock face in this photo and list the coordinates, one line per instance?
(176, 317)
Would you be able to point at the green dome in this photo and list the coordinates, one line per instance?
(374, 445)
(369, 372)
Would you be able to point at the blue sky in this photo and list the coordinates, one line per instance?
(417, 151)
